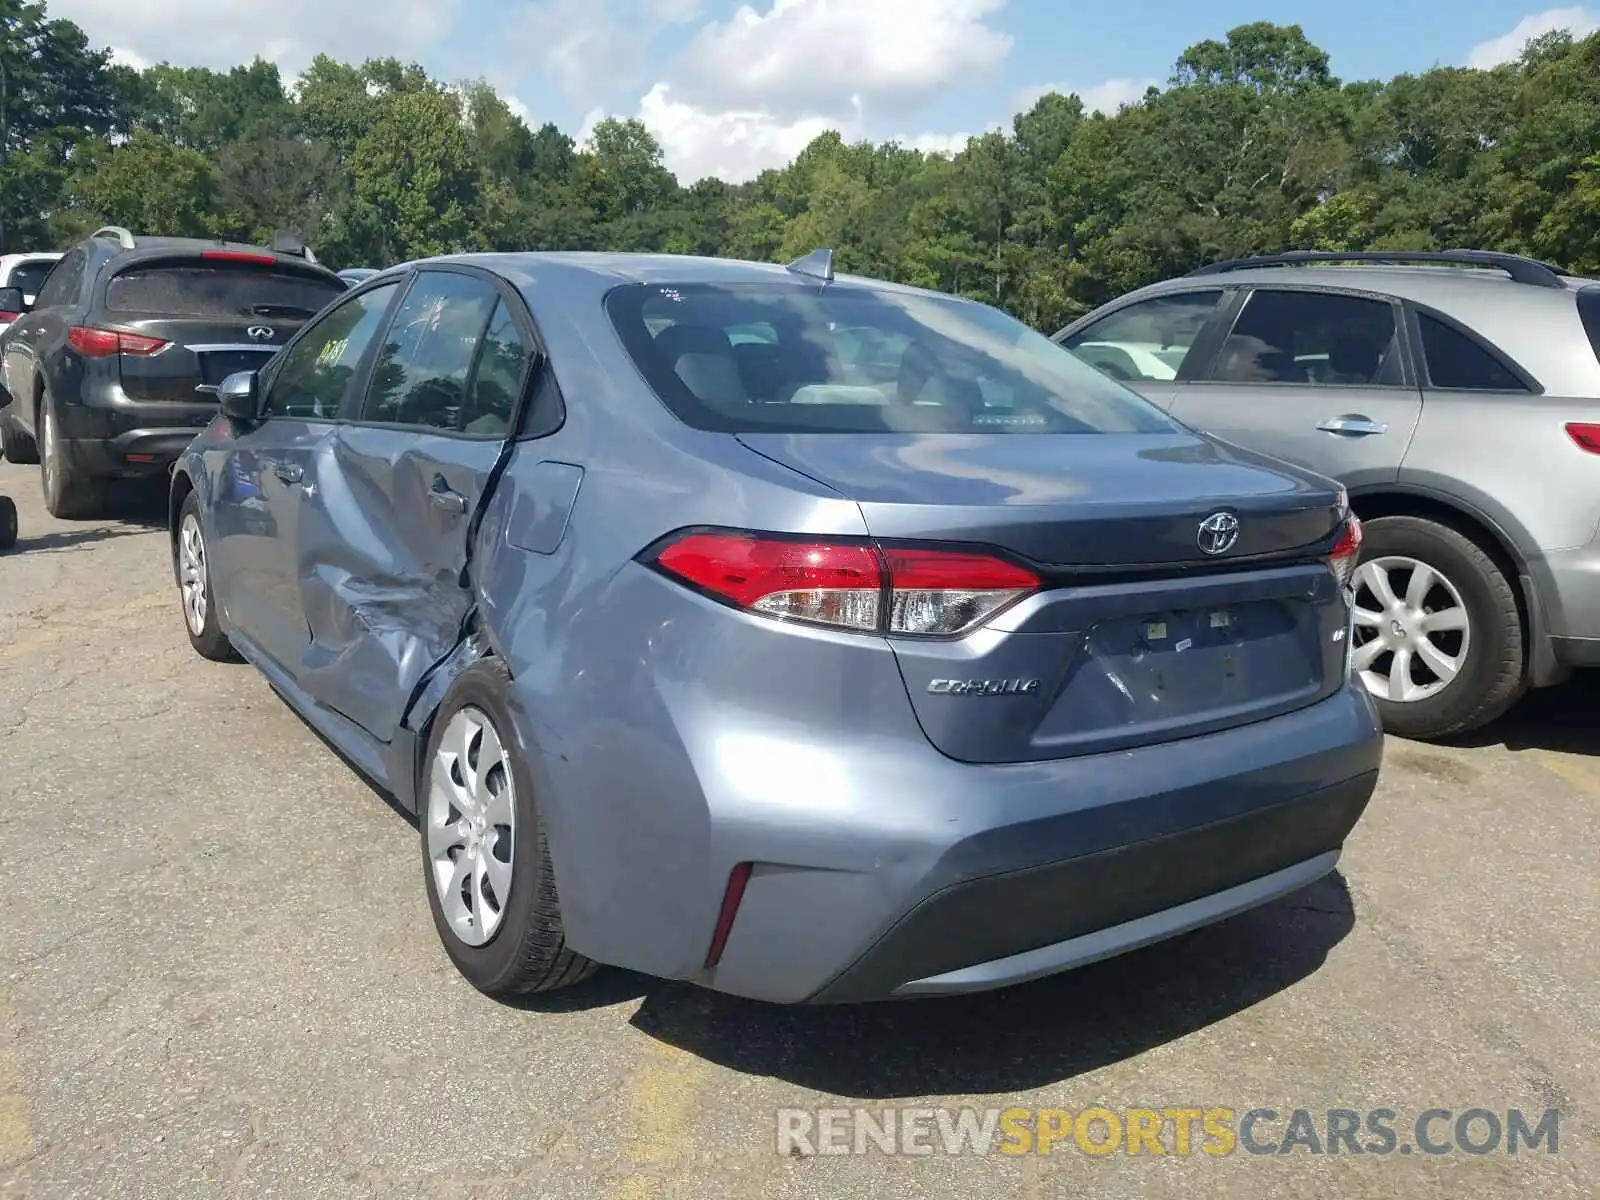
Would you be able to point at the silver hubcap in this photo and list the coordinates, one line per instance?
(472, 826)
(192, 574)
(1411, 629)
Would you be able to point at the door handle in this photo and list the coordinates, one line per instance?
(1353, 426)
(289, 472)
(444, 496)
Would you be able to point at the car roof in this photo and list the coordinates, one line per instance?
(11, 260)
(529, 267)
(1424, 284)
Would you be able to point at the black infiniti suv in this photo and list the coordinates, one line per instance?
(115, 367)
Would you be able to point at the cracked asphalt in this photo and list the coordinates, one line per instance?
(218, 976)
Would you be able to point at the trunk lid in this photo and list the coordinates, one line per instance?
(220, 311)
(201, 353)
(1136, 635)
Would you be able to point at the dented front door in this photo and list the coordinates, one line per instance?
(383, 541)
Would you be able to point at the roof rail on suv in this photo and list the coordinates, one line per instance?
(117, 233)
(1522, 270)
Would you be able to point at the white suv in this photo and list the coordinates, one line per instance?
(27, 272)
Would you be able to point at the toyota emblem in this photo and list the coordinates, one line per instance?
(1218, 533)
(261, 333)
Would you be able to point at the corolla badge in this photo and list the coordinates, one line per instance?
(984, 687)
(1218, 533)
(261, 333)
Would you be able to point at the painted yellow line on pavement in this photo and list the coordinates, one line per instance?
(1577, 769)
(664, 1098)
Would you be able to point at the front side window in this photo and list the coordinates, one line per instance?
(317, 370)
(853, 359)
(1147, 341)
(1321, 338)
(422, 374)
(1456, 361)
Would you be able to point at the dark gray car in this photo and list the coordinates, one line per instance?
(1457, 396)
(115, 366)
(810, 638)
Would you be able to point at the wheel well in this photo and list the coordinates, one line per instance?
(182, 485)
(1490, 540)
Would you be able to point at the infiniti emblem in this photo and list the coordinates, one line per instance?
(1218, 533)
(261, 333)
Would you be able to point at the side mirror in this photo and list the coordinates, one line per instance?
(239, 397)
(13, 301)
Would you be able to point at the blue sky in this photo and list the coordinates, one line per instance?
(732, 87)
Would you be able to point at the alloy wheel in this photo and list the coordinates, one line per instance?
(192, 573)
(472, 825)
(1412, 632)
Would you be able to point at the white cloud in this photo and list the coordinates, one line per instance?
(1107, 97)
(224, 33)
(803, 55)
(1508, 47)
(735, 145)
(520, 110)
(127, 58)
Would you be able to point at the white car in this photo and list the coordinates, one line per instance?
(25, 271)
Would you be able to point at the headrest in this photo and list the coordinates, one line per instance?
(677, 340)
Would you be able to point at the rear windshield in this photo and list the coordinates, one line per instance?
(848, 359)
(219, 289)
(30, 276)
(1589, 310)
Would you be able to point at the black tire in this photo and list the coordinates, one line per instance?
(1494, 674)
(209, 642)
(8, 523)
(17, 446)
(528, 952)
(69, 493)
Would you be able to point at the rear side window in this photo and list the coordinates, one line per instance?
(1149, 340)
(1589, 310)
(30, 276)
(219, 289)
(61, 287)
(1319, 338)
(424, 373)
(1458, 362)
(852, 359)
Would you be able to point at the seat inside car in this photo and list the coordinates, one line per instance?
(702, 357)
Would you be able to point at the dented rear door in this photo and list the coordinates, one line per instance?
(383, 545)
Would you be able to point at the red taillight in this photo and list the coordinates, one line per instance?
(1346, 550)
(246, 256)
(844, 585)
(9, 317)
(738, 878)
(103, 343)
(1587, 436)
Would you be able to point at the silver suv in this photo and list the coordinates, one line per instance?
(1457, 396)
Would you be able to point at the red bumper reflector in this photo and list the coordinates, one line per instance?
(737, 879)
(139, 457)
(1585, 435)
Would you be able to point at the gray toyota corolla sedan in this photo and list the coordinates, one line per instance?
(807, 637)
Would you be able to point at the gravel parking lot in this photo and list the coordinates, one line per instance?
(218, 974)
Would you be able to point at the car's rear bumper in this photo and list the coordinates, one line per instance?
(113, 436)
(1568, 583)
(1064, 863)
